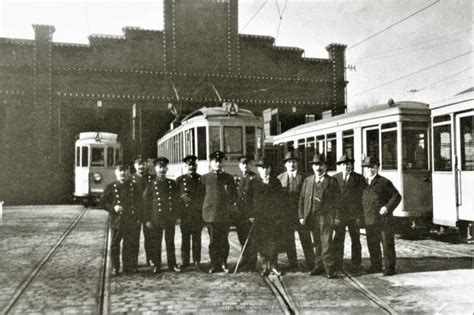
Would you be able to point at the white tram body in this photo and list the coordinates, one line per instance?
(96, 155)
(453, 160)
(229, 129)
(397, 134)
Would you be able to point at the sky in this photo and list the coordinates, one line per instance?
(419, 50)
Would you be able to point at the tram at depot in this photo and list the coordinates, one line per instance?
(230, 129)
(96, 154)
(453, 162)
(396, 133)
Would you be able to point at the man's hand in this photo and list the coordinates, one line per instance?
(383, 211)
(337, 222)
(178, 221)
(118, 209)
(302, 221)
(149, 225)
(251, 220)
(359, 223)
(186, 198)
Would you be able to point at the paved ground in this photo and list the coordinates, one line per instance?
(428, 280)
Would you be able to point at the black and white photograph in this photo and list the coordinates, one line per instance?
(236, 157)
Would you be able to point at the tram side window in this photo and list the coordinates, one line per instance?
(201, 143)
(372, 143)
(78, 156)
(250, 141)
(98, 157)
(414, 149)
(214, 139)
(348, 142)
(467, 143)
(233, 140)
(389, 150)
(442, 148)
(310, 151)
(331, 152)
(110, 156)
(301, 150)
(85, 156)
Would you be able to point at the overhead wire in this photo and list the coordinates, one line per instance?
(280, 14)
(253, 16)
(392, 25)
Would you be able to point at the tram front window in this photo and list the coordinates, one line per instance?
(467, 143)
(214, 139)
(442, 148)
(233, 140)
(98, 157)
(85, 157)
(110, 156)
(414, 144)
(250, 141)
(389, 150)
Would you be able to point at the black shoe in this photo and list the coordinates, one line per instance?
(197, 266)
(185, 265)
(373, 269)
(215, 270)
(156, 270)
(388, 272)
(115, 272)
(316, 271)
(225, 268)
(331, 275)
(175, 268)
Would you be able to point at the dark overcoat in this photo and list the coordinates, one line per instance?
(160, 198)
(190, 186)
(245, 191)
(378, 194)
(351, 196)
(141, 183)
(220, 194)
(292, 198)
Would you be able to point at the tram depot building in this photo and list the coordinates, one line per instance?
(52, 91)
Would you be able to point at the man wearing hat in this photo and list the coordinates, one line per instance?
(318, 205)
(141, 178)
(379, 200)
(162, 215)
(220, 195)
(191, 193)
(350, 214)
(292, 180)
(120, 199)
(244, 205)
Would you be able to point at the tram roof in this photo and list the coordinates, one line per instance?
(217, 112)
(358, 115)
(462, 97)
(94, 137)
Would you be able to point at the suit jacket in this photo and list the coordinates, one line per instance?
(160, 198)
(351, 196)
(329, 204)
(245, 192)
(190, 186)
(124, 194)
(219, 197)
(378, 194)
(292, 198)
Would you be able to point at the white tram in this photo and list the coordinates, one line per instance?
(229, 129)
(396, 133)
(96, 155)
(453, 162)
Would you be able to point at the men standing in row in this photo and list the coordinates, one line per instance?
(220, 196)
(292, 181)
(245, 208)
(162, 215)
(379, 200)
(119, 199)
(350, 214)
(318, 205)
(191, 194)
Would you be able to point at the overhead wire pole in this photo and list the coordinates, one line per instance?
(392, 25)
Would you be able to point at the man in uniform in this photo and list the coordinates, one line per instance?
(191, 193)
(318, 205)
(379, 199)
(220, 195)
(162, 215)
(245, 218)
(142, 179)
(119, 199)
(291, 181)
(351, 214)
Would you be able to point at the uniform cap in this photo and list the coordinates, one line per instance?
(290, 155)
(161, 160)
(139, 159)
(190, 159)
(263, 162)
(345, 158)
(244, 159)
(318, 159)
(217, 155)
(370, 161)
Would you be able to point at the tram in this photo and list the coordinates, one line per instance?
(96, 154)
(396, 133)
(229, 128)
(452, 157)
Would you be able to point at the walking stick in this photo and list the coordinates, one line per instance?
(243, 248)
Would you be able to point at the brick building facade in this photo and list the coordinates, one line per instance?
(50, 91)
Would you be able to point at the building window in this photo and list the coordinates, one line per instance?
(442, 148)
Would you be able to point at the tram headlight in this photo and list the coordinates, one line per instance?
(97, 178)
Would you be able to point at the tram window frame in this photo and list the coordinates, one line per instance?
(84, 156)
(78, 156)
(410, 138)
(301, 149)
(369, 146)
(390, 150)
(331, 151)
(310, 147)
(251, 141)
(348, 142)
(466, 164)
(446, 164)
(321, 145)
(117, 157)
(260, 141)
(96, 162)
(201, 143)
(214, 144)
(109, 153)
(233, 136)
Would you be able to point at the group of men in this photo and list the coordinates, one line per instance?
(265, 210)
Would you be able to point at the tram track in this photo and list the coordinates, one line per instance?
(25, 284)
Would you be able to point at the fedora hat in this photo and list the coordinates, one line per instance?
(318, 159)
(370, 161)
(345, 158)
(290, 155)
(263, 162)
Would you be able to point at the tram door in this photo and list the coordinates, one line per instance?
(464, 166)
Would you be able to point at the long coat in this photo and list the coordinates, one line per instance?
(219, 197)
(292, 197)
(245, 197)
(160, 202)
(190, 186)
(329, 204)
(351, 196)
(269, 215)
(127, 195)
(378, 194)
